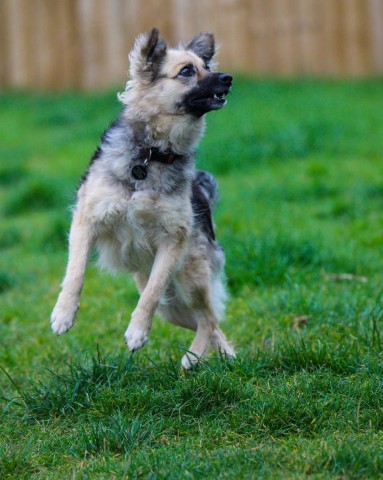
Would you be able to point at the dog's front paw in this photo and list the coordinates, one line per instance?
(63, 317)
(136, 337)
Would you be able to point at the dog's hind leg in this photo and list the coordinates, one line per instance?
(80, 244)
(221, 345)
(179, 315)
(205, 318)
(196, 301)
(206, 325)
(205, 338)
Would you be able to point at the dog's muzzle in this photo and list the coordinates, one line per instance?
(209, 94)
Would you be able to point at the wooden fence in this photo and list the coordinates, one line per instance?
(63, 44)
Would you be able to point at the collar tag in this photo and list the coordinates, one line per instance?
(140, 172)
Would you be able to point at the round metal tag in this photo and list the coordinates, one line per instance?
(139, 172)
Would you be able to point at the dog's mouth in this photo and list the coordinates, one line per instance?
(209, 94)
(215, 101)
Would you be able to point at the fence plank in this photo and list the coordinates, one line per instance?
(374, 25)
(4, 45)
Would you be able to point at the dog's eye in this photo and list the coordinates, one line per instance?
(187, 71)
(207, 67)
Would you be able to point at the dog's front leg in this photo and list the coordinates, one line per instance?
(166, 259)
(81, 240)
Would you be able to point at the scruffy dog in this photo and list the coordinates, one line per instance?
(143, 205)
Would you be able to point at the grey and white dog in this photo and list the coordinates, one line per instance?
(143, 205)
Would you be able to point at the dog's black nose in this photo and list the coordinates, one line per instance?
(226, 79)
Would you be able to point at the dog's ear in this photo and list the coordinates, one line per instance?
(203, 45)
(147, 55)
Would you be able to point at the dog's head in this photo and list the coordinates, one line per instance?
(175, 81)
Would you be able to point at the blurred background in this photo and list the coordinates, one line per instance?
(68, 44)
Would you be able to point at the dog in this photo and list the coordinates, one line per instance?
(144, 206)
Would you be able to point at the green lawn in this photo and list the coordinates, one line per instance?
(300, 170)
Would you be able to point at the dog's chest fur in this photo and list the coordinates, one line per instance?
(133, 217)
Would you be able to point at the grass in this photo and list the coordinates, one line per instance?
(300, 170)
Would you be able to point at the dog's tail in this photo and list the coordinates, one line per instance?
(208, 186)
(204, 198)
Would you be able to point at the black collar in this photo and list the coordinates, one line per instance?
(154, 154)
(140, 171)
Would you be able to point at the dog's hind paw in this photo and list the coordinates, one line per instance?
(62, 319)
(190, 360)
(222, 346)
(136, 338)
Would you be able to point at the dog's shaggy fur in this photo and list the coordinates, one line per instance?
(158, 225)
